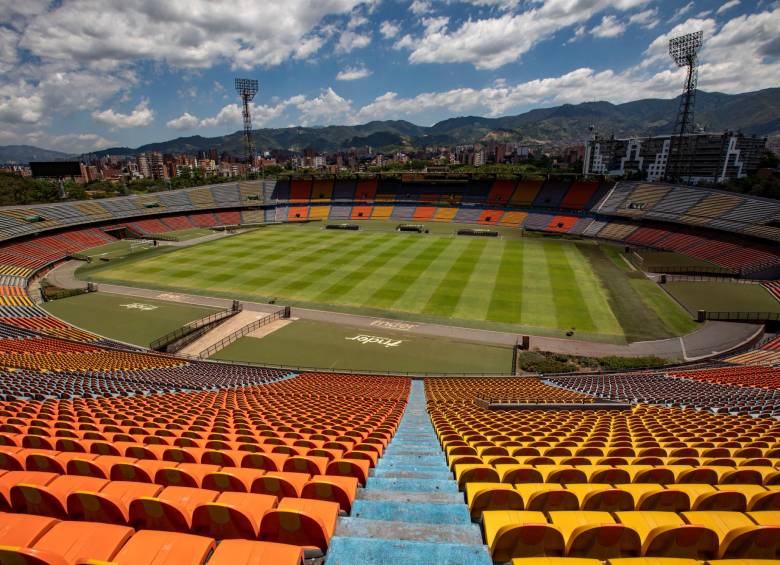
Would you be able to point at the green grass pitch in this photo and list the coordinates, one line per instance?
(305, 343)
(540, 285)
(125, 318)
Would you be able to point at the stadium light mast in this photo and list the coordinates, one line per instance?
(684, 52)
(246, 89)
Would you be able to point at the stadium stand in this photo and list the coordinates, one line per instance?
(603, 485)
(766, 353)
(267, 467)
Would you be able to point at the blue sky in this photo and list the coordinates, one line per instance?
(78, 75)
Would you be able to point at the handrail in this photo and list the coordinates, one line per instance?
(192, 326)
(241, 332)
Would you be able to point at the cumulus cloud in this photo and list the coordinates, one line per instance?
(353, 73)
(419, 7)
(724, 68)
(8, 54)
(185, 121)
(389, 29)
(182, 33)
(490, 43)
(141, 115)
(351, 40)
(609, 26)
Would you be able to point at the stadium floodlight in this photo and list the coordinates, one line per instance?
(246, 89)
(684, 52)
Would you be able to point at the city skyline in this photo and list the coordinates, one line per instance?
(81, 75)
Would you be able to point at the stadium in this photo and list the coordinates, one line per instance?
(333, 370)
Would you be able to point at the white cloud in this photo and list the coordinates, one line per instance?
(353, 73)
(350, 40)
(681, 11)
(492, 42)
(419, 7)
(8, 54)
(141, 115)
(728, 6)
(579, 33)
(646, 18)
(327, 108)
(185, 121)
(20, 103)
(743, 55)
(609, 26)
(182, 33)
(389, 29)
(74, 143)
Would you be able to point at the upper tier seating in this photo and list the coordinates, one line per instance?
(697, 206)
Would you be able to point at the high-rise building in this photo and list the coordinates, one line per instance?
(151, 165)
(707, 157)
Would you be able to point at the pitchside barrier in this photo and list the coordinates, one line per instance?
(478, 232)
(739, 316)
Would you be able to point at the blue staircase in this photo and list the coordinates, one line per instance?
(410, 510)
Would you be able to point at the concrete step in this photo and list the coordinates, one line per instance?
(365, 551)
(416, 512)
(412, 485)
(412, 474)
(400, 496)
(410, 531)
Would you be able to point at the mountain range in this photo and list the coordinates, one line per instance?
(751, 113)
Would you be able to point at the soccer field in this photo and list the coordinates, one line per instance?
(519, 284)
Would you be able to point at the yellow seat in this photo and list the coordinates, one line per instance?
(765, 517)
(602, 497)
(653, 561)
(757, 497)
(491, 496)
(547, 497)
(471, 473)
(595, 535)
(512, 533)
(665, 534)
(707, 497)
(554, 561)
(519, 473)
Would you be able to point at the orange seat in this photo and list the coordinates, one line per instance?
(171, 510)
(51, 499)
(234, 479)
(112, 504)
(184, 475)
(149, 547)
(281, 485)
(140, 471)
(233, 515)
(79, 541)
(306, 464)
(342, 490)
(28, 556)
(302, 522)
(23, 529)
(349, 468)
(264, 461)
(232, 552)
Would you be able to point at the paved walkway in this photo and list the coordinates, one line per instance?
(221, 331)
(410, 510)
(709, 339)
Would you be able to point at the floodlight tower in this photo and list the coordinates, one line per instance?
(684, 52)
(246, 89)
